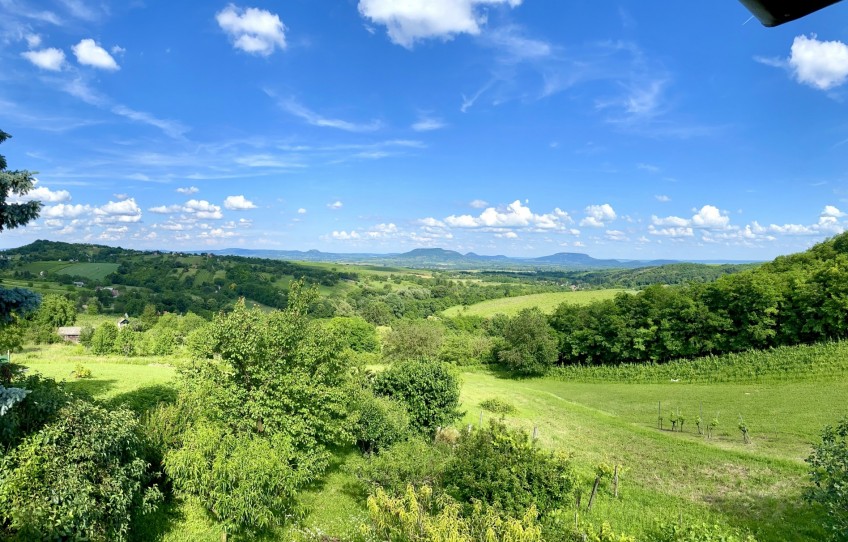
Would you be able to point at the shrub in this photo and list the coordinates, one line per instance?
(355, 333)
(86, 334)
(430, 391)
(411, 462)
(81, 477)
(248, 482)
(697, 532)
(498, 406)
(414, 340)
(461, 348)
(829, 475)
(382, 422)
(103, 339)
(421, 515)
(501, 467)
(39, 407)
(81, 372)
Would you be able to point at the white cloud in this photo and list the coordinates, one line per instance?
(479, 203)
(253, 30)
(597, 216)
(47, 59)
(709, 217)
(238, 203)
(662, 198)
(42, 194)
(315, 119)
(671, 231)
(431, 222)
(413, 20)
(33, 40)
(345, 236)
(64, 210)
(507, 235)
(301, 211)
(616, 235)
(426, 124)
(336, 205)
(674, 221)
(171, 128)
(118, 50)
(202, 209)
(820, 64)
(118, 211)
(166, 209)
(91, 54)
(515, 215)
(188, 190)
(831, 211)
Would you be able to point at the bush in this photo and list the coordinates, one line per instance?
(86, 334)
(829, 475)
(39, 407)
(421, 515)
(411, 462)
(81, 477)
(498, 406)
(502, 468)
(103, 339)
(382, 422)
(430, 391)
(461, 348)
(414, 340)
(355, 333)
(248, 482)
(697, 532)
(81, 372)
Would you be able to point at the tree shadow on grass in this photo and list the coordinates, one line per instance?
(89, 387)
(143, 399)
(774, 518)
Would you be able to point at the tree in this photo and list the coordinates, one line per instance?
(414, 340)
(829, 474)
(531, 343)
(16, 182)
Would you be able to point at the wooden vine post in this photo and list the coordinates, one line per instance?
(594, 491)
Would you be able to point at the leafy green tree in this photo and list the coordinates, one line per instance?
(81, 477)
(355, 333)
(381, 422)
(429, 389)
(530, 344)
(829, 475)
(414, 340)
(271, 393)
(103, 339)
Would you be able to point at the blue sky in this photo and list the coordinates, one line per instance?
(519, 127)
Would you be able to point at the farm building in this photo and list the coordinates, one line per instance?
(70, 334)
(122, 322)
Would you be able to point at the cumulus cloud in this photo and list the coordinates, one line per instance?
(188, 190)
(42, 194)
(252, 30)
(831, 211)
(166, 209)
(64, 211)
(91, 54)
(238, 203)
(118, 211)
(515, 215)
(301, 211)
(336, 205)
(33, 40)
(711, 218)
(707, 217)
(662, 198)
(671, 231)
(47, 59)
(202, 209)
(414, 20)
(479, 203)
(345, 236)
(819, 64)
(597, 216)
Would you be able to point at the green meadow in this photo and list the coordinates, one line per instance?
(546, 302)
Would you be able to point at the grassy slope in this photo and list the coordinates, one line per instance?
(546, 302)
(722, 480)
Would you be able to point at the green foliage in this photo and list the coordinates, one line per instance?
(464, 348)
(413, 462)
(86, 334)
(697, 532)
(503, 468)
(429, 389)
(530, 344)
(248, 482)
(498, 406)
(127, 342)
(18, 183)
(80, 477)
(382, 422)
(44, 398)
(419, 515)
(103, 339)
(414, 340)
(81, 372)
(12, 335)
(829, 476)
(55, 311)
(355, 333)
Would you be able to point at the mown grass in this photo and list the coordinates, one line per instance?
(93, 271)
(599, 416)
(546, 302)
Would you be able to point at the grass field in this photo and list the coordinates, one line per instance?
(547, 303)
(93, 271)
(605, 417)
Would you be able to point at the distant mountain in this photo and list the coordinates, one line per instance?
(440, 258)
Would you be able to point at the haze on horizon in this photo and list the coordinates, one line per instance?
(509, 127)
